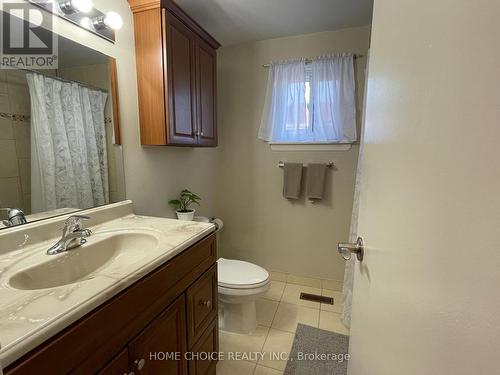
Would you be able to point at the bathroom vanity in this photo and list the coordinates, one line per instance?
(139, 297)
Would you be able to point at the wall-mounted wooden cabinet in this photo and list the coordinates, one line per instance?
(176, 76)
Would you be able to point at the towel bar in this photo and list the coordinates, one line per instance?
(281, 164)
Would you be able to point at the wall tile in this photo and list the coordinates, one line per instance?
(6, 131)
(4, 101)
(25, 175)
(332, 284)
(23, 142)
(9, 192)
(8, 159)
(306, 281)
(3, 82)
(27, 204)
(19, 99)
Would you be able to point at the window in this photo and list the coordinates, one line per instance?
(303, 127)
(310, 103)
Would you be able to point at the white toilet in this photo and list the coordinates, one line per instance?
(240, 284)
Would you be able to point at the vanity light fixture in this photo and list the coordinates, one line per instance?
(83, 14)
(75, 6)
(111, 20)
(86, 22)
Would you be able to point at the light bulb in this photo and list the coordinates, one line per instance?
(84, 6)
(113, 20)
(86, 22)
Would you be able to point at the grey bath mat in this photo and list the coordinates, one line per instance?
(317, 352)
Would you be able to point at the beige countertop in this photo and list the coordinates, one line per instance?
(29, 317)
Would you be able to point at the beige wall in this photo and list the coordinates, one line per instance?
(261, 226)
(239, 181)
(153, 175)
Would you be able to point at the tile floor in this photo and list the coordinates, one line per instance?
(278, 314)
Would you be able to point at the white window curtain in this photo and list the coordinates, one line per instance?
(68, 145)
(313, 104)
(285, 111)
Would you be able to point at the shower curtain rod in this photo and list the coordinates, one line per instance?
(309, 61)
(27, 70)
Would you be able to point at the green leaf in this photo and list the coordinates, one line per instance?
(186, 198)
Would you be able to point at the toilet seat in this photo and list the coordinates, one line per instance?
(237, 274)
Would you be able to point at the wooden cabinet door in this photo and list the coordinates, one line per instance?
(201, 304)
(206, 90)
(150, 72)
(204, 352)
(165, 336)
(180, 74)
(118, 365)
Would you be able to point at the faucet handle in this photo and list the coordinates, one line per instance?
(74, 222)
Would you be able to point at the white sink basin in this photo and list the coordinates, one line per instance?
(82, 263)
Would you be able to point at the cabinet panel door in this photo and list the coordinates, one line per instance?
(202, 363)
(150, 70)
(118, 365)
(206, 92)
(166, 334)
(202, 304)
(180, 75)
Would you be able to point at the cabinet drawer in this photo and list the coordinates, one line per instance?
(208, 343)
(118, 365)
(201, 304)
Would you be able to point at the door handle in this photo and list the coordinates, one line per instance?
(347, 249)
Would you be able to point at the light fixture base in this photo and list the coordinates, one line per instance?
(66, 11)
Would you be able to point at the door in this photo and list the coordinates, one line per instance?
(180, 75)
(201, 304)
(426, 297)
(206, 92)
(205, 352)
(161, 347)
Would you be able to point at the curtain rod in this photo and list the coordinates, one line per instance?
(309, 61)
(27, 70)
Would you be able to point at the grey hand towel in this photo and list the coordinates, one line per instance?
(292, 180)
(315, 186)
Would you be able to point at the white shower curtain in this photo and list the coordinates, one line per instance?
(68, 145)
(353, 232)
(353, 235)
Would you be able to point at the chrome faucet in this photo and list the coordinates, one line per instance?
(73, 235)
(14, 217)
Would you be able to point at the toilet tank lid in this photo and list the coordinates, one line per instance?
(239, 273)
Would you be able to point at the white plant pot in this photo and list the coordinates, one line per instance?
(187, 216)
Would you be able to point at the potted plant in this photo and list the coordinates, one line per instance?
(181, 205)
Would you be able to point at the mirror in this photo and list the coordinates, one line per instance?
(60, 146)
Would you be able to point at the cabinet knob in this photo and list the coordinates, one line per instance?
(139, 363)
(201, 133)
(206, 303)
